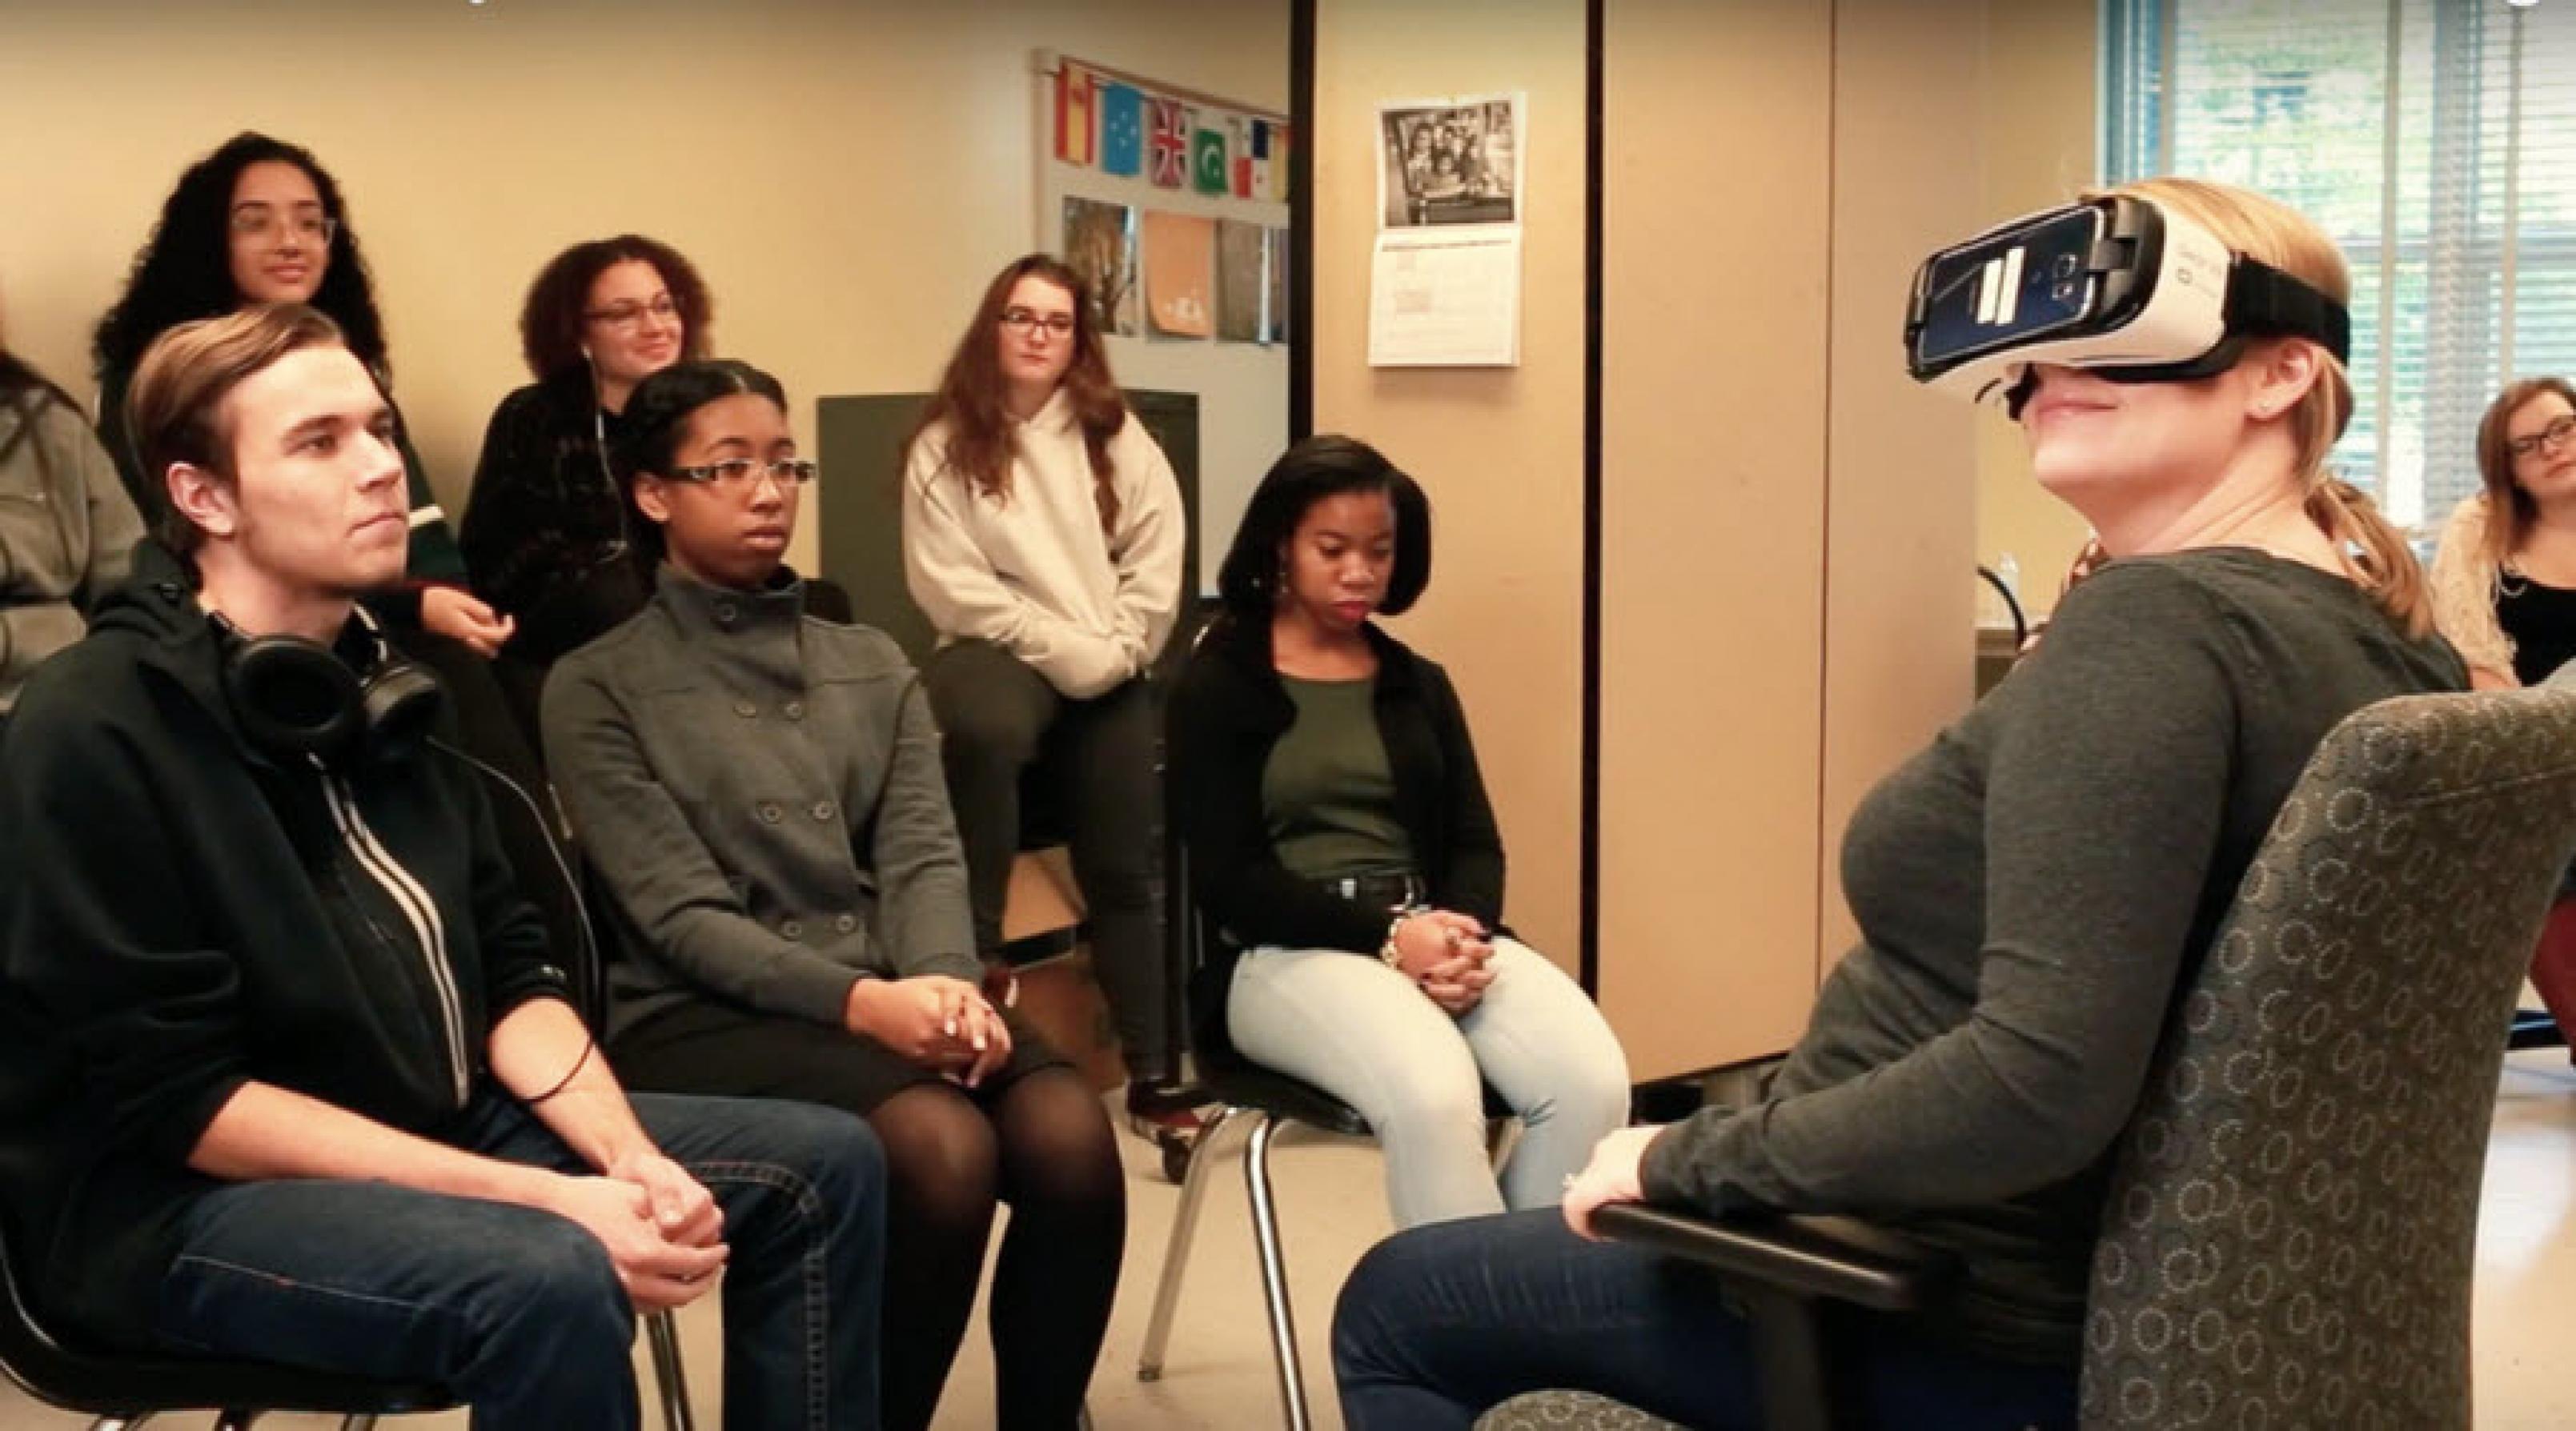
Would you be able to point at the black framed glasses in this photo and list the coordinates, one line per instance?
(1027, 321)
(262, 222)
(737, 472)
(2556, 435)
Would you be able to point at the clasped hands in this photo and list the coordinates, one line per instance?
(934, 1021)
(662, 1229)
(1447, 955)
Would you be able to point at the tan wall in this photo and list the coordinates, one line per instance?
(1500, 450)
(1901, 499)
(1718, 222)
(2042, 138)
(847, 175)
(1789, 522)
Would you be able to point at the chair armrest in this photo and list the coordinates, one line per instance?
(1832, 1257)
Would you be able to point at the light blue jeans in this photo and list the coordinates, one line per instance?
(1363, 1033)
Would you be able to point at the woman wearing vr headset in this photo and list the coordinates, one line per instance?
(2029, 889)
(762, 791)
(548, 534)
(260, 221)
(2504, 589)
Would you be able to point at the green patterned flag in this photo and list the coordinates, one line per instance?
(1207, 158)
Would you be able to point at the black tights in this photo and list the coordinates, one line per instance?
(1043, 1146)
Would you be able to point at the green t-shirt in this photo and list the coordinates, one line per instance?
(1328, 794)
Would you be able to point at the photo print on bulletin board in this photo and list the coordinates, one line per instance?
(1242, 286)
(1100, 243)
(1274, 320)
(1180, 275)
(1449, 164)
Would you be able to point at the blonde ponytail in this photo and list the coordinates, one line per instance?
(2373, 551)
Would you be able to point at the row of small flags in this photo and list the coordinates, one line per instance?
(1127, 131)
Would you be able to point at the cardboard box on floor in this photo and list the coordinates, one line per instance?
(1059, 995)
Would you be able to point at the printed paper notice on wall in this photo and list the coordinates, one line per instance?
(1455, 303)
(1445, 277)
(1180, 275)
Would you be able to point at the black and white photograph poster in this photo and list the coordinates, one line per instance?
(1445, 271)
(1449, 163)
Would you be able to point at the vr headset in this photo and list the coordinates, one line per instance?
(2120, 287)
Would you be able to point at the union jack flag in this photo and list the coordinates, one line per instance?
(1171, 143)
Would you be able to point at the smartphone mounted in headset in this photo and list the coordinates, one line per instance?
(2119, 286)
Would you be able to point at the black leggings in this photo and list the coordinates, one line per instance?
(1093, 763)
(1034, 1136)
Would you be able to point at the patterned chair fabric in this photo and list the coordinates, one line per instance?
(1569, 1411)
(2291, 1222)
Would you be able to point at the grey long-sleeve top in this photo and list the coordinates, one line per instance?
(67, 530)
(762, 792)
(2030, 891)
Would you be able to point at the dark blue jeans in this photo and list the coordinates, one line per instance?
(518, 1311)
(1439, 1323)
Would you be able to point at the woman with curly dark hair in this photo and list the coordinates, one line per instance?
(1043, 536)
(260, 221)
(548, 534)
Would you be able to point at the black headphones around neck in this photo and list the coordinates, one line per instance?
(300, 702)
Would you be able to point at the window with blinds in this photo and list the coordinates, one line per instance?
(2435, 140)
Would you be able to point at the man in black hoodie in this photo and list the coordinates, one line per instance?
(284, 1070)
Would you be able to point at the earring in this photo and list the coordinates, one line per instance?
(585, 354)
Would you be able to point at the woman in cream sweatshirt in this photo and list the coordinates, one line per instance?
(1043, 536)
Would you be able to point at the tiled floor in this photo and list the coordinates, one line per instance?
(1219, 1371)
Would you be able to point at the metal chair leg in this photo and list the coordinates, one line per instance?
(358, 1421)
(235, 1419)
(120, 1423)
(1274, 1274)
(1185, 1221)
(664, 1335)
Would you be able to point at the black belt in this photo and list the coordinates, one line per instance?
(1398, 889)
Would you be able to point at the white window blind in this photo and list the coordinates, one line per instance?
(2435, 140)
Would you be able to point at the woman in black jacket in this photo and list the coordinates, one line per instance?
(548, 532)
(1339, 835)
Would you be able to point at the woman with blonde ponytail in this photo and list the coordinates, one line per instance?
(2030, 891)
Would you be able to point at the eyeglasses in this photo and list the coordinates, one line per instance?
(735, 472)
(1027, 321)
(2556, 435)
(259, 221)
(628, 314)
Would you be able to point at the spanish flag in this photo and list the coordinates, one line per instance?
(1075, 99)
